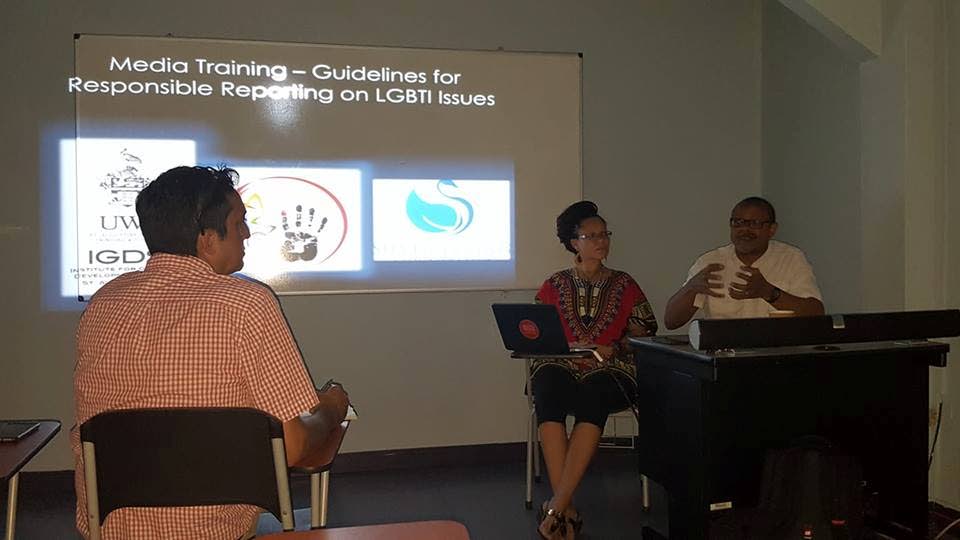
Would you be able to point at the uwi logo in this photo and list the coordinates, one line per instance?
(452, 216)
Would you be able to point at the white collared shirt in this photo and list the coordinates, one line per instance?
(783, 265)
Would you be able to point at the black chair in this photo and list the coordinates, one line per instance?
(184, 457)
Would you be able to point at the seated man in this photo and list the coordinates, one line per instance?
(750, 277)
(184, 333)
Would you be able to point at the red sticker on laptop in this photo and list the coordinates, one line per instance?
(529, 329)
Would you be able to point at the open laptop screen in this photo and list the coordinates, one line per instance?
(532, 329)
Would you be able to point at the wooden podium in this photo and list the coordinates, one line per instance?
(707, 418)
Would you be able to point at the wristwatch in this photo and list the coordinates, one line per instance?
(774, 296)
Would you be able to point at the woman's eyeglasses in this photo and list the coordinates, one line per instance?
(595, 236)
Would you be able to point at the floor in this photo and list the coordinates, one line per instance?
(487, 499)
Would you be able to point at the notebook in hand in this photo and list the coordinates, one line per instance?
(533, 330)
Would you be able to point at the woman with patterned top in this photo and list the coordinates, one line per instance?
(600, 308)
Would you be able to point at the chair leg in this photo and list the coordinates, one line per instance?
(645, 488)
(535, 437)
(283, 483)
(90, 481)
(324, 496)
(528, 501)
(315, 501)
(644, 481)
(319, 494)
(532, 459)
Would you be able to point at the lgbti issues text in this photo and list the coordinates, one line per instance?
(295, 92)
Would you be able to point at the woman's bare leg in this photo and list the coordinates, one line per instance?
(553, 438)
(583, 443)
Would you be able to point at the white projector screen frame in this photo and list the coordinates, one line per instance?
(274, 113)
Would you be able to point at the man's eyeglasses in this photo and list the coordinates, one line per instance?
(751, 223)
(595, 236)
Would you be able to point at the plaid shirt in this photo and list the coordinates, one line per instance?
(179, 335)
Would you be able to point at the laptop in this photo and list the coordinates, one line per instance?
(534, 330)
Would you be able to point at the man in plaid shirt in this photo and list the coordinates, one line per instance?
(185, 333)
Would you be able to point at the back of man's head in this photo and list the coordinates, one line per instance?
(181, 203)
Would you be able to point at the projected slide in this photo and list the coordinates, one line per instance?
(441, 220)
(361, 168)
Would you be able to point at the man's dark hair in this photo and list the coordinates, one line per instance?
(568, 222)
(759, 202)
(183, 202)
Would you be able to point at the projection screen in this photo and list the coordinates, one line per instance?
(361, 168)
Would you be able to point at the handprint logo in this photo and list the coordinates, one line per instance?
(296, 225)
(300, 239)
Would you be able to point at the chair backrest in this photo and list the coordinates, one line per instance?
(185, 457)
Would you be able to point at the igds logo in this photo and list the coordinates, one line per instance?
(442, 211)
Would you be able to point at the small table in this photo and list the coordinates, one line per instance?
(14, 455)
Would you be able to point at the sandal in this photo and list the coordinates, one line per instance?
(553, 526)
(575, 521)
(542, 512)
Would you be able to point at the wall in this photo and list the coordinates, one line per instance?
(671, 137)
(947, 461)
(897, 227)
(905, 92)
(811, 166)
(883, 150)
(856, 26)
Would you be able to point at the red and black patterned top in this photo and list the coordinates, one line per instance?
(604, 312)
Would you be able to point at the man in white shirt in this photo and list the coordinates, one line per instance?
(750, 277)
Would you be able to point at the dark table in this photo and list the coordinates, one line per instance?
(13, 457)
(708, 418)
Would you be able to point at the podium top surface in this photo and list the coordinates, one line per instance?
(676, 352)
(680, 344)
(768, 332)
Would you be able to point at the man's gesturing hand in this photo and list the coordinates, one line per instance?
(754, 286)
(707, 281)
